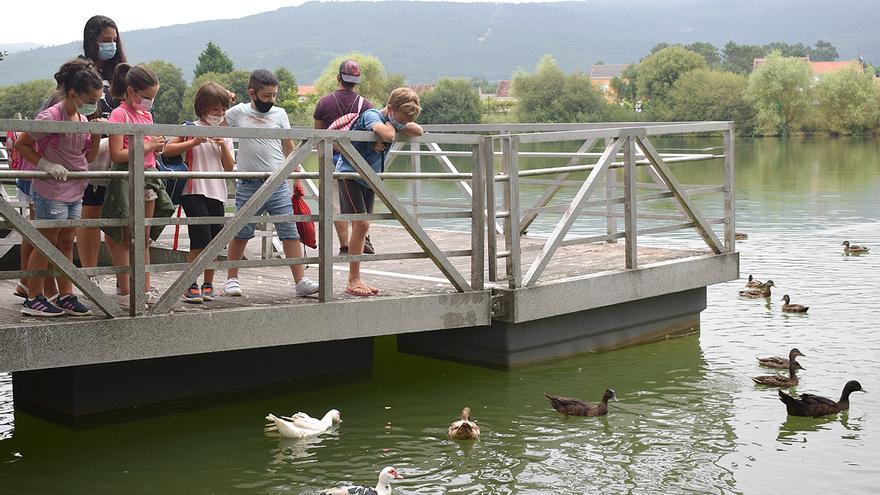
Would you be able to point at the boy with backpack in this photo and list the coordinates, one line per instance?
(338, 111)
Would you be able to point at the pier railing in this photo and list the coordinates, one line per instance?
(491, 156)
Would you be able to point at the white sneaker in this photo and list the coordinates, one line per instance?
(232, 287)
(305, 287)
(151, 297)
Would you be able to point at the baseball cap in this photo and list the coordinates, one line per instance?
(350, 72)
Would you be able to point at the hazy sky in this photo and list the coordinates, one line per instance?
(55, 22)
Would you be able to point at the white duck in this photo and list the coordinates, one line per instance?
(383, 487)
(301, 425)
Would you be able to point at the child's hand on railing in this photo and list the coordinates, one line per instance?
(379, 147)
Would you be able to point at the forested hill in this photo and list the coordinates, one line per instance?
(427, 40)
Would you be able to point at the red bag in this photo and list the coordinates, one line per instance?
(306, 230)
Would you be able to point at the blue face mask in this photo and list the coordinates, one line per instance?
(106, 51)
(394, 123)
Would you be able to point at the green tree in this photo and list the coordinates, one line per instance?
(705, 94)
(847, 102)
(374, 84)
(550, 95)
(626, 86)
(659, 46)
(235, 81)
(213, 59)
(787, 50)
(658, 72)
(172, 88)
(823, 52)
(452, 101)
(25, 98)
(741, 58)
(780, 91)
(708, 51)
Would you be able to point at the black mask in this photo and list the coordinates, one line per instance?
(263, 106)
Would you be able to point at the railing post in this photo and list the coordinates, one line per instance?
(629, 205)
(478, 218)
(492, 232)
(729, 191)
(510, 150)
(137, 235)
(416, 185)
(610, 191)
(325, 220)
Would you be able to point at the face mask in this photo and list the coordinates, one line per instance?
(106, 51)
(213, 120)
(263, 106)
(394, 123)
(145, 105)
(86, 108)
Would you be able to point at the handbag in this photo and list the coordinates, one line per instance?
(176, 163)
(305, 229)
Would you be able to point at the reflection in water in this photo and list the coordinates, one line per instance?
(795, 429)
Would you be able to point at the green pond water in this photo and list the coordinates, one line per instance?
(689, 418)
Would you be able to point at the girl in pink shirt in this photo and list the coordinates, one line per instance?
(58, 198)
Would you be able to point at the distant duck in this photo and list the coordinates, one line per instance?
(383, 487)
(754, 283)
(577, 407)
(792, 308)
(780, 380)
(813, 405)
(763, 292)
(301, 425)
(464, 429)
(779, 362)
(741, 236)
(853, 249)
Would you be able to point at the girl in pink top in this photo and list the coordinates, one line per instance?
(137, 88)
(59, 198)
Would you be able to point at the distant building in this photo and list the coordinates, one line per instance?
(303, 93)
(503, 90)
(821, 68)
(602, 74)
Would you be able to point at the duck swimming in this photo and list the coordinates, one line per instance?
(740, 236)
(779, 362)
(464, 429)
(814, 405)
(301, 425)
(780, 380)
(853, 249)
(792, 308)
(577, 407)
(763, 292)
(754, 283)
(383, 487)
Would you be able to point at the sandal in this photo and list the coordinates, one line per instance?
(353, 292)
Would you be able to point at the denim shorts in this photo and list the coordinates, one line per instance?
(48, 209)
(279, 203)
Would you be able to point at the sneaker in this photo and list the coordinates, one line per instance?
(71, 305)
(208, 292)
(305, 287)
(232, 287)
(151, 297)
(40, 306)
(193, 295)
(368, 246)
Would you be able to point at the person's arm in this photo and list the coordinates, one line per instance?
(385, 131)
(118, 154)
(226, 158)
(177, 145)
(95, 144)
(412, 129)
(25, 145)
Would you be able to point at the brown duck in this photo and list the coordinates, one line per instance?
(780, 362)
(813, 405)
(853, 249)
(464, 429)
(763, 292)
(754, 283)
(780, 380)
(577, 407)
(787, 307)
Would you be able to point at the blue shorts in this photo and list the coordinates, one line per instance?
(279, 203)
(48, 209)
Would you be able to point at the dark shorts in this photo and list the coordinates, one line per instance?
(94, 195)
(354, 197)
(197, 205)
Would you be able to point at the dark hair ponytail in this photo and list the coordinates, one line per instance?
(138, 77)
(93, 28)
(78, 75)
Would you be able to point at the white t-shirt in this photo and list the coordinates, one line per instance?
(258, 155)
(206, 158)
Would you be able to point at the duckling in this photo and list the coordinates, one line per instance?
(853, 249)
(779, 362)
(741, 236)
(780, 380)
(754, 283)
(763, 292)
(814, 405)
(577, 407)
(792, 308)
(464, 429)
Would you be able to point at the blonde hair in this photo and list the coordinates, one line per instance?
(405, 102)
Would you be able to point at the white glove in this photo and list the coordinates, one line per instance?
(56, 171)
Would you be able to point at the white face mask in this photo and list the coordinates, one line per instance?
(213, 120)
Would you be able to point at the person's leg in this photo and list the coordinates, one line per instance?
(235, 251)
(352, 200)
(37, 261)
(88, 239)
(214, 209)
(64, 244)
(119, 258)
(199, 236)
(149, 209)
